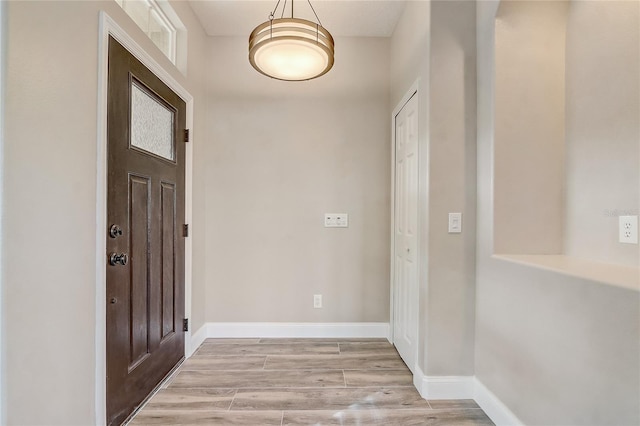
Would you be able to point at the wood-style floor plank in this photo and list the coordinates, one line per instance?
(411, 417)
(328, 399)
(258, 379)
(373, 348)
(194, 417)
(378, 378)
(215, 349)
(299, 382)
(452, 403)
(342, 362)
(204, 362)
(289, 341)
(192, 399)
(234, 341)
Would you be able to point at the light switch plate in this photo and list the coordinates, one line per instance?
(455, 223)
(336, 220)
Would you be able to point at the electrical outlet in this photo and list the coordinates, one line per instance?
(317, 301)
(336, 220)
(628, 229)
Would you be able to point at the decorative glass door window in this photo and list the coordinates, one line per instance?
(152, 123)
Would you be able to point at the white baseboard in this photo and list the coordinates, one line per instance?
(493, 407)
(465, 387)
(196, 339)
(444, 387)
(448, 387)
(298, 330)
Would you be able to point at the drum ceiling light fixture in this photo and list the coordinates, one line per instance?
(291, 49)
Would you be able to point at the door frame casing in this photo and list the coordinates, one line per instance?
(108, 27)
(414, 90)
(3, 62)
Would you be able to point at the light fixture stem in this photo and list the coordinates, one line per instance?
(275, 9)
(284, 8)
(314, 12)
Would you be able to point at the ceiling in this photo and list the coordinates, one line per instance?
(346, 18)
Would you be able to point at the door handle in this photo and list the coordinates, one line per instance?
(115, 259)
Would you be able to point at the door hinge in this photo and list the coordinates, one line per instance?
(185, 230)
(186, 135)
(185, 324)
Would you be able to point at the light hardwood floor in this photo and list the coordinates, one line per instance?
(299, 382)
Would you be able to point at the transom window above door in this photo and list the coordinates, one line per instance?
(158, 20)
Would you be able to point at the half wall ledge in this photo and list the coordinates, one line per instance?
(606, 273)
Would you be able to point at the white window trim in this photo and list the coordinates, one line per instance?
(170, 20)
(160, 11)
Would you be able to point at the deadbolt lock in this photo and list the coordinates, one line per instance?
(118, 259)
(115, 231)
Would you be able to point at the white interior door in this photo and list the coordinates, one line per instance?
(405, 233)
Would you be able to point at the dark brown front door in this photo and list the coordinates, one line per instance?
(145, 245)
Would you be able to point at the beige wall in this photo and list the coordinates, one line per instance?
(49, 197)
(529, 127)
(410, 55)
(435, 43)
(555, 349)
(452, 188)
(603, 128)
(280, 155)
(566, 144)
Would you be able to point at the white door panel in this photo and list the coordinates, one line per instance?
(406, 235)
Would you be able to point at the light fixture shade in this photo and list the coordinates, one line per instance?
(291, 49)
